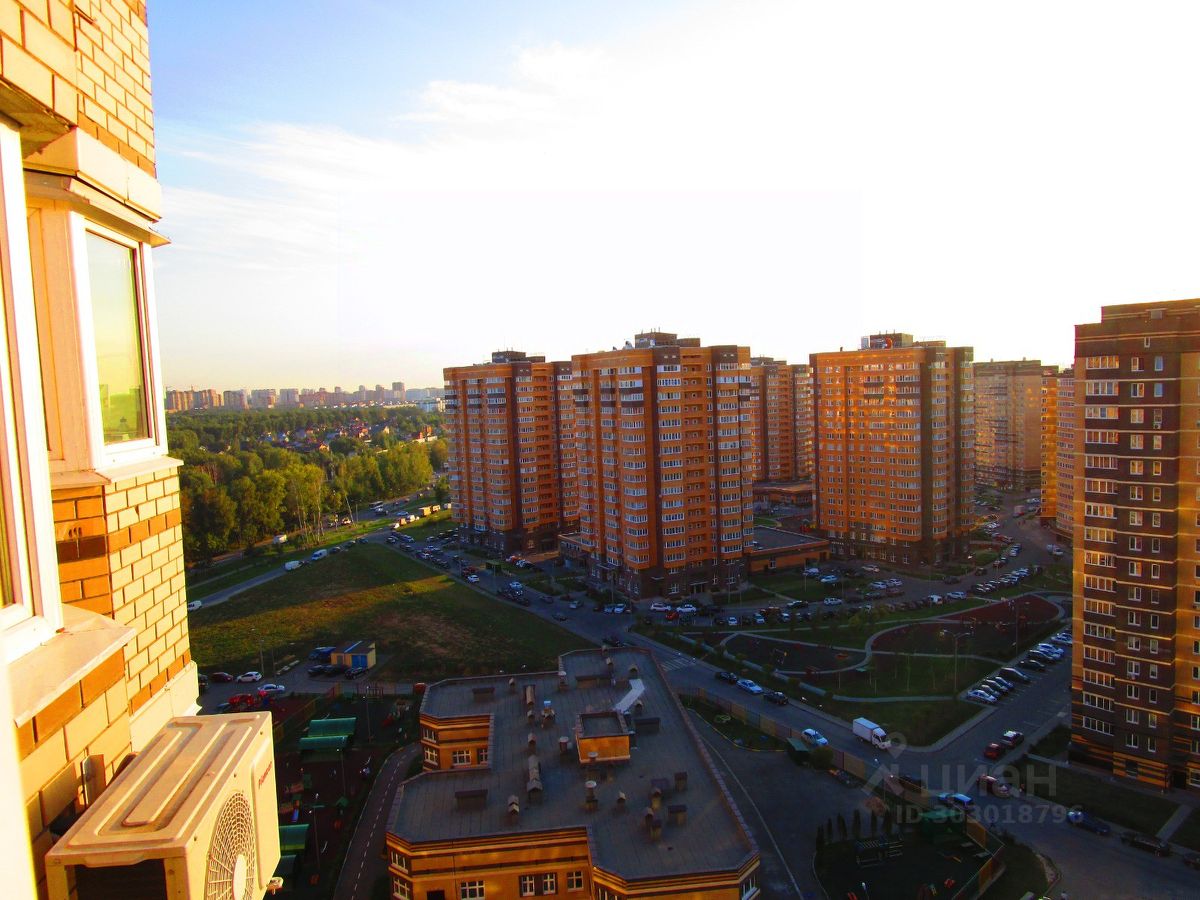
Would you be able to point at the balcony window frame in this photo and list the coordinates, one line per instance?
(35, 613)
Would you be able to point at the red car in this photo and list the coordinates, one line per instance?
(993, 751)
(220, 677)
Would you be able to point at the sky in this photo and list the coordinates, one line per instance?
(366, 191)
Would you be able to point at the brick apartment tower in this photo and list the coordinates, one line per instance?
(1135, 677)
(506, 441)
(1049, 446)
(664, 445)
(895, 465)
(1008, 423)
(1064, 459)
(783, 420)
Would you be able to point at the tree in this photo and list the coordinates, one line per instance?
(438, 452)
(441, 490)
(214, 517)
(828, 830)
(841, 825)
(856, 823)
(874, 823)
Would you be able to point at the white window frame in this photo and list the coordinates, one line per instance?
(471, 890)
(36, 611)
(68, 345)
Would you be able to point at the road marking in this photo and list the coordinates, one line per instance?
(678, 662)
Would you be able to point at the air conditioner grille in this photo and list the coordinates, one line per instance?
(231, 863)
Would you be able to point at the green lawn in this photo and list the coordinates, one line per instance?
(1053, 744)
(898, 675)
(1097, 795)
(429, 625)
(730, 728)
(921, 722)
(1023, 872)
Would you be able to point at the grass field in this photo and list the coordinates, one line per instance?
(901, 675)
(1188, 834)
(429, 625)
(730, 728)
(1097, 795)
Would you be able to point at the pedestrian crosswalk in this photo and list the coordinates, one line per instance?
(672, 663)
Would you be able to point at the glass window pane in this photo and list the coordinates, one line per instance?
(119, 361)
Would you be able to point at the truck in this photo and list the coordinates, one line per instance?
(866, 730)
(279, 540)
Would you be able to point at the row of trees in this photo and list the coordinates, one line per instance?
(234, 497)
(220, 428)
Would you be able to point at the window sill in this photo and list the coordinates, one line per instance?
(86, 640)
(113, 473)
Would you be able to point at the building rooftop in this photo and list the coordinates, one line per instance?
(605, 703)
(769, 538)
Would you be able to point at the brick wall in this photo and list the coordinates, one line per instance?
(87, 64)
(120, 554)
(89, 719)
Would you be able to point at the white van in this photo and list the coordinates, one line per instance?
(319, 554)
(291, 566)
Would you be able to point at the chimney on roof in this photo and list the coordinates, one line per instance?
(633, 671)
(678, 813)
(529, 716)
(621, 800)
(655, 797)
(589, 801)
(592, 757)
(512, 685)
(562, 681)
(532, 742)
(637, 706)
(653, 824)
(680, 781)
(514, 808)
(530, 695)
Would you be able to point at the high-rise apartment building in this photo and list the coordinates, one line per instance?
(1064, 459)
(289, 397)
(895, 464)
(1048, 475)
(1135, 676)
(263, 398)
(206, 398)
(781, 412)
(236, 399)
(93, 620)
(1008, 423)
(502, 425)
(664, 442)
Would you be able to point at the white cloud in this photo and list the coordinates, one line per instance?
(780, 174)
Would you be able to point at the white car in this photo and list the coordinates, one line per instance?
(894, 582)
(273, 689)
(1062, 638)
(473, 578)
(812, 571)
(981, 696)
(688, 610)
(832, 601)
(194, 605)
(731, 621)
(871, 569)
(250, 676)
(1050, 650)
(659, 606)
(749, 686)
(829, 579)
(935, 599)
(813, 738)
(956, 595)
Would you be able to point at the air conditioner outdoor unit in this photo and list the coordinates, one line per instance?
(192, 817)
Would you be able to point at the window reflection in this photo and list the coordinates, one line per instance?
(119, 352)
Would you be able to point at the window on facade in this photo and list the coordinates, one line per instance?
(470, 890)
(461, 758)
(550, 883)
(749, 887)
(481, 755)
(401, 889)
(575, 881)
(528, 885)
(431, 755)
(117, 329)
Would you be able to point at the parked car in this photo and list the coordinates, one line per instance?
(220, 677)
(990, 784)
(194, 605)
(688, 609)
(273, 689)
(812, 571)
(1029, 662)
(473, 578)
(356, 672)
(1080, 819)
(998, 688)
(337, 669)
(874, 570)
(813, 738)
(1015, 675)
(779, 698)
(981, 696)
(832, 601)
(829, 579)
(659, 606)
(728, 677)
(251, 676)
(560, 617)
(749, 686)
(957, 801)
(731, 621)
(1011, 738)
(993, 751)
(1062, 638)
(1147, 842)
(956, 595)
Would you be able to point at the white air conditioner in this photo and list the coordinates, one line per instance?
(192, 817)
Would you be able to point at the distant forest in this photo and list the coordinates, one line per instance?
(250, 475)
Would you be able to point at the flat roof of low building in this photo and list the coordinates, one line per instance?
(711, 838)
(777, 538)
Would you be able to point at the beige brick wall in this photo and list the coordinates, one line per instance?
(87, 64)
(89, 719)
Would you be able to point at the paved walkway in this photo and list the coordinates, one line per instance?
(364, 864)
(229, 592)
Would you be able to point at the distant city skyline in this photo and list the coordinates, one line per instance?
(458, 178)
